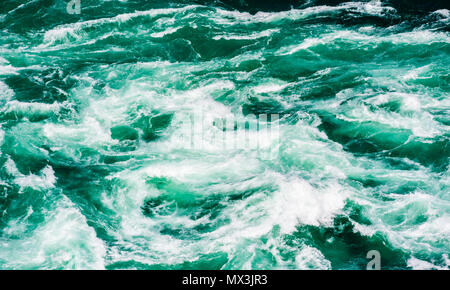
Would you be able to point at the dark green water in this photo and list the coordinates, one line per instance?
(98, 168)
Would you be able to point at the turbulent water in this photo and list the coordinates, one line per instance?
(97, 170)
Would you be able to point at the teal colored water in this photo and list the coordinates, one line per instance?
(97, 170)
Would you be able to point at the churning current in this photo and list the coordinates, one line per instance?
(224, 134)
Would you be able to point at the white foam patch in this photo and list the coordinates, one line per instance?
(2, 136)
(416, 222)
(443, 14)
(417, 264)
(297, 202)
(324, 39)
(309, 151)
(412, 114)
(89, 133)
(63, 241)
(414, 73)
(31, 109)
(5, 92)
(165, 32)
(367, 41)
(374, 8)
(311, 259)
(255, 35)
(7, 69)
(66, 32)
(270, 87)
(192, 172)
(44, 180)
